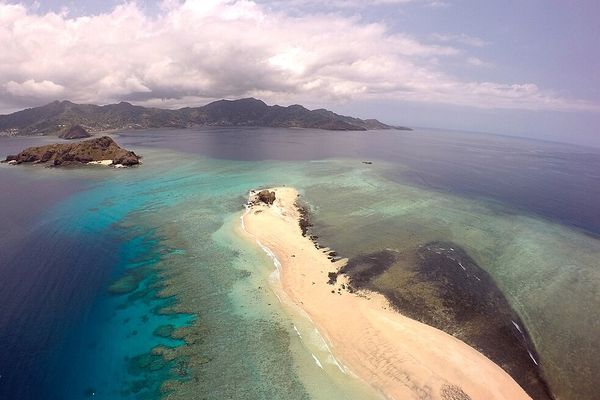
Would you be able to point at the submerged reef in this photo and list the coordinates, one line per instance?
(445, 288)
(304, 220)
(129, 282)
(218, 351)
(165, 331)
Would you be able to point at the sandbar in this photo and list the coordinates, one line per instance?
(396, 356)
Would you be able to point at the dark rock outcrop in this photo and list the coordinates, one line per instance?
(304, 220)
(75, 132)
(98, 149)
(266, 196)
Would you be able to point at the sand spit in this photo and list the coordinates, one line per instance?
(397, 356)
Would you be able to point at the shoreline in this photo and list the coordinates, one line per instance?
(396, 356)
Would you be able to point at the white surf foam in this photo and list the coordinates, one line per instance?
(516, 326)
(297, 331)
(531, 355)
(317, 361)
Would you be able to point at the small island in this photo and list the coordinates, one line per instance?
(75, 132)
(102, 150)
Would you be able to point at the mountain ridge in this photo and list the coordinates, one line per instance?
(56, 117)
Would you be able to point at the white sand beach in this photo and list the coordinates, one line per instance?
(398, 357)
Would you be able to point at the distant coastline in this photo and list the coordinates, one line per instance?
(58, 117)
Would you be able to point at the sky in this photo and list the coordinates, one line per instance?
(529, 68)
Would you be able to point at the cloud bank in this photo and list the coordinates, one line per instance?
(199, 50)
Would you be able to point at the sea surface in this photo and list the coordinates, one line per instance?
(132, 283)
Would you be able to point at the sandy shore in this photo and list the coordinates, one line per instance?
(397, 356)
(101, 162)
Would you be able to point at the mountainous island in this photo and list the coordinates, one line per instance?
(59, 117)
(102, 150)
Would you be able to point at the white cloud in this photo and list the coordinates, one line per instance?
(199, 50)
(478, 62)
(438, 4)
(342, 4)
(462, 38)
(348, 4)
(32, 89)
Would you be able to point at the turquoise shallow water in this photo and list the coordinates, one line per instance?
(98, 351)
(161, 237)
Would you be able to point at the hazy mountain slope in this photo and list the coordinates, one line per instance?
(58, 116)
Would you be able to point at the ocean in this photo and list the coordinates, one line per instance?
(131, 284)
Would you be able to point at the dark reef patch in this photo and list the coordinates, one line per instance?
(165, 331)
(362, 269)
(443, 286)
(129, 282)
(304, 220)
(150, 370)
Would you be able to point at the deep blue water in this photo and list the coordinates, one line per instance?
(63, 335)
(36, 308)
